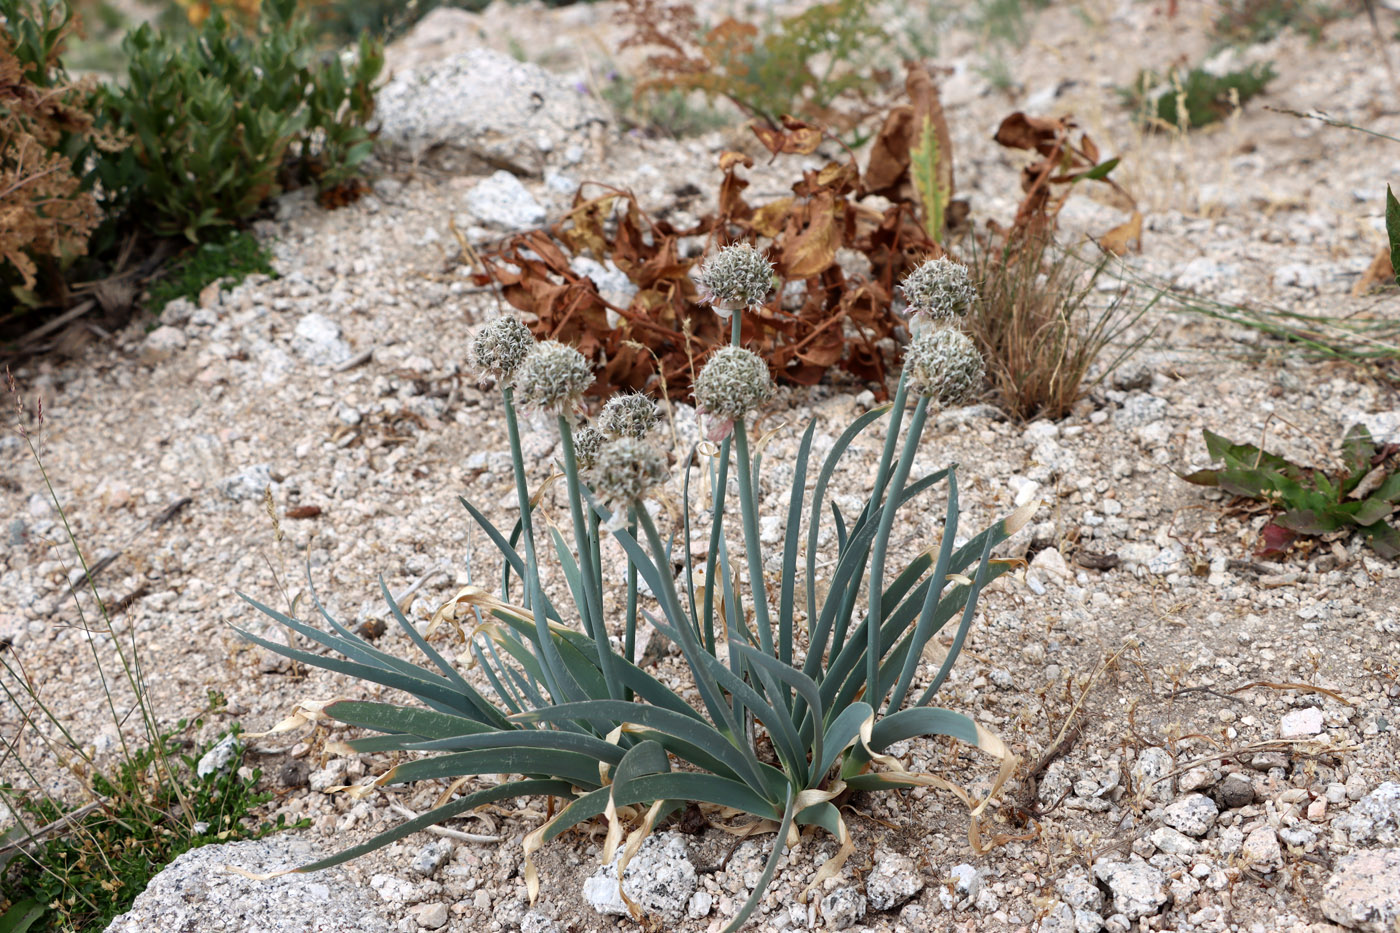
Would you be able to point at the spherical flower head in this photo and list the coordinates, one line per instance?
(944, 366)
(631, 415)
(626, 469)
(552, 377)
(587, 442)
(501, 346)
(939, 290)
(733, 383)
(735, 278)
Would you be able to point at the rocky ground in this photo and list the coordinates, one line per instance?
(1208, 740)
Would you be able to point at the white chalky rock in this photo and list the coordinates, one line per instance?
(660, 878)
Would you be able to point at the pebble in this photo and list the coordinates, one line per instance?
(1363, 892)
(1261, 850)
(843, 908)
(161, 344)
(429, 916)
(1139, 889)
(317, 340)
(1172, 842)
(502, 201)
(1193, 814)
(431, 858)
(1374, 818)
(1153, 764)
(218, 757)
(660, 878)
(248, 484)
(1301, 723)
(893, 880)
(1236, 790)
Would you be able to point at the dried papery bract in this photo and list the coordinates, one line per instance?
(736, 278)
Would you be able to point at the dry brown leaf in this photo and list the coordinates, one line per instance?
(1378, 273)
(1118, 240)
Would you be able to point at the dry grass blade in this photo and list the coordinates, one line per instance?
(1041, 323)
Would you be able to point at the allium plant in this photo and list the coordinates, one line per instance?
(811, 690)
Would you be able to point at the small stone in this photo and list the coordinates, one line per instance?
(1236, 790)
(660, 878)
(429, 916)
(1363, 892)
(1150, 772)
(1050, 562)
(502, 201)
(317, 340)
(894, 880)
(1374, 818)
(247, 484)
(1261, 850)
(1298, 275)
(432, 857)
(1172, 842)
(218, 757)
(1193, 814)
(700, 905)
(536, 922)
(161, 344)
(843, 908)
(1317, 810)
(1195, 779)
(1079, 891)
(1139, 890)
(1301, 723)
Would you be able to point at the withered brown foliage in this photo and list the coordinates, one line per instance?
(823, 313)
(44, 212)
(816, 64)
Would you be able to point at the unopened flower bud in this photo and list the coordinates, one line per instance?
(940, 289)
(552, 377)
(501, 346)
(733, 383)
(631, 415)
(735, 278)
(943, 365)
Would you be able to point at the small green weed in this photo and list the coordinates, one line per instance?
(96, 866)
(1195, 98)
(235, 257)
(1247, 22)
(668, 113)
(1308, 501)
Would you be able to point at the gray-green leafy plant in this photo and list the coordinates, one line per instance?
(802, 684)
(218, 118)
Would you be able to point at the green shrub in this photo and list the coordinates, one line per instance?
(220, 119)
(1206, 97)
(816, 671)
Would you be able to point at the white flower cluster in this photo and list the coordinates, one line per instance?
(937, 292)
(501, 346)
(735, 278)
(630, 415)
(588, 442)
(943, 365)
(552, 377)
(733, 383)
(626, 469)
